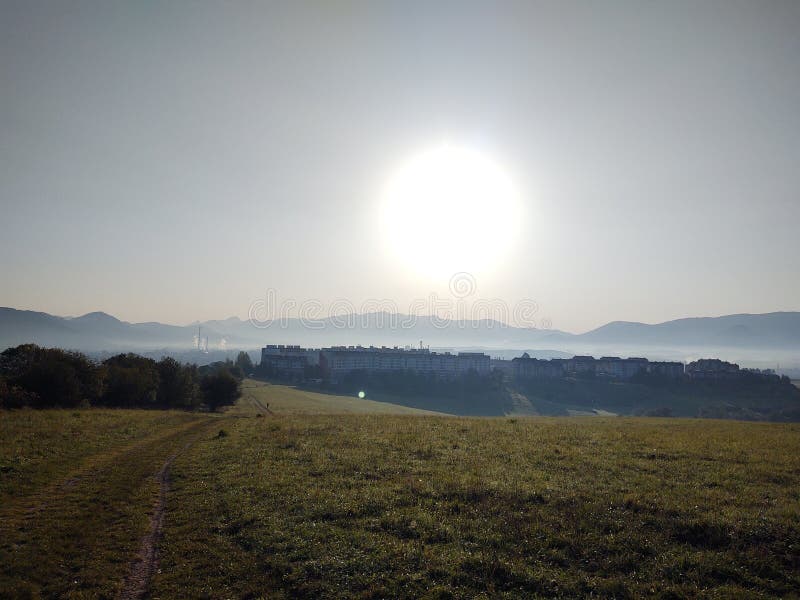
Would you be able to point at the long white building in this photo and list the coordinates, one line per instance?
(288, 360)
(337, 361)
(614, 367)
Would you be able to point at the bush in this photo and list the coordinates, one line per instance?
(220, 389)
(132, 381)
(244, 362)
(178, 384)
(47, 377)
(42, 377)
(16, 397)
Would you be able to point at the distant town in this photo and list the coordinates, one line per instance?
(296, 362)
(614, 367)
(333, 362)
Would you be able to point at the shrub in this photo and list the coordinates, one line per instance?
(220, 389)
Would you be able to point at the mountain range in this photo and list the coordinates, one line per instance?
(762, 335)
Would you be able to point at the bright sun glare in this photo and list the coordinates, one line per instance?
(449, 209)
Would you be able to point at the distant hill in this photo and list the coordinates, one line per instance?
(767, 334)
(99, 331)
(91, 332)
(770, 330)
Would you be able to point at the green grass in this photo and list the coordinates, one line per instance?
(77, 489)
(40, 446)
(347, 503)
(396, 506)
(289, 400)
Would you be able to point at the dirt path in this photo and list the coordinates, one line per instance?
(32, 504)
(110, 507)
(145, 564)
(261, 406)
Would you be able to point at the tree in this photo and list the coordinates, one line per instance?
(131, 381)
(244, 362)
(42, 377)
(220, 389)
(16, 397)
(54, 382)
(50, 377)
(177, 384)
(15, 361)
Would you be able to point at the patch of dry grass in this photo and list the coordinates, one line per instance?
(347, 503)
(288, 400)
(393, 506)
(78, 494)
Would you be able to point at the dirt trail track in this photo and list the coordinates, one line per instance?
(144, 565)
(261, 406)
(90, 470)
(86, 511)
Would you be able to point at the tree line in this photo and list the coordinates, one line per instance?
(36, 377)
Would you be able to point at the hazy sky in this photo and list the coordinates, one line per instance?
(172, 161)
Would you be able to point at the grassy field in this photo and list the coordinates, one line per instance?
(76, 494)
(296, 494)
(290, 401)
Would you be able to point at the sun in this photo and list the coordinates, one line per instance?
(449, 209)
